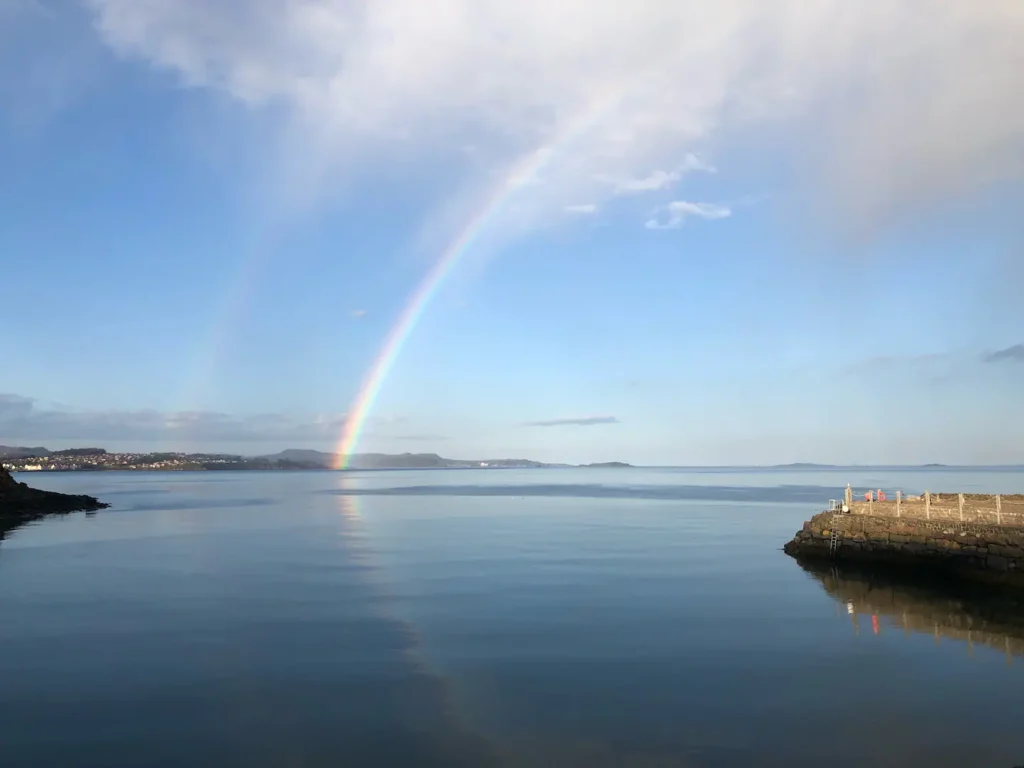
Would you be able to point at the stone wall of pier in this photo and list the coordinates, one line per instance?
(968, 546)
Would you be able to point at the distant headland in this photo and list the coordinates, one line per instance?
(39, 459)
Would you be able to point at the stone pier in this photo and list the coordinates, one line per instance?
(972, 535)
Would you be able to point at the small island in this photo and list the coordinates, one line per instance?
(20, 504)
(607, 465)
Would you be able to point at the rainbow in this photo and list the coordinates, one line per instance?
(522, 174)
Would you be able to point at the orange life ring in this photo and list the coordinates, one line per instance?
(881, 495)
(867, 496)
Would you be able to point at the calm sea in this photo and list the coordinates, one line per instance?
(488, 618)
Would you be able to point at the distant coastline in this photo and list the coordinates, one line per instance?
(39, 459)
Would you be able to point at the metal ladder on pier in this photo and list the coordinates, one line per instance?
(837, 518)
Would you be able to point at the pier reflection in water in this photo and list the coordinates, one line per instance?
(880, 599)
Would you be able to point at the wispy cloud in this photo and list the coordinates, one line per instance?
(586, 421)
(358, 313)
(420, 438)
(675, 214)
(931, 363)
(1014, 354)
(581, 208)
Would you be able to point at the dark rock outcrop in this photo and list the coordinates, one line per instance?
(20, 504)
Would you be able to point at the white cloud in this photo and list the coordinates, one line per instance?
(675, 214)
(657, 180)
(662, 179)
(903, 101)
(581, 208)
(358, 313)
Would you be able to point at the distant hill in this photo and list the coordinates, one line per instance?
(24, 452)
(302, 456)
(429, 461)
(393, 460)
(21, 452)
(360, 460)
(607, 464)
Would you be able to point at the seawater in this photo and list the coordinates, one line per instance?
(547, 617)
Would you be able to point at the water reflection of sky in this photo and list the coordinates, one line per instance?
(456, 742)
(493, 629)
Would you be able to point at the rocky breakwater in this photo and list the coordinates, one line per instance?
(984, 552)
(20, 504)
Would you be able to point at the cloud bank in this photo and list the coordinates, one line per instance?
(897, 105)
(22, 418)
(586, 421)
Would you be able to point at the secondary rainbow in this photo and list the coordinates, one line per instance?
(521, 175)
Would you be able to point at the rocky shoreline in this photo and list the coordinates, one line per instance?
(20, 504)
(976, 551)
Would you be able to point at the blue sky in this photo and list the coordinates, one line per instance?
(770, 239)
